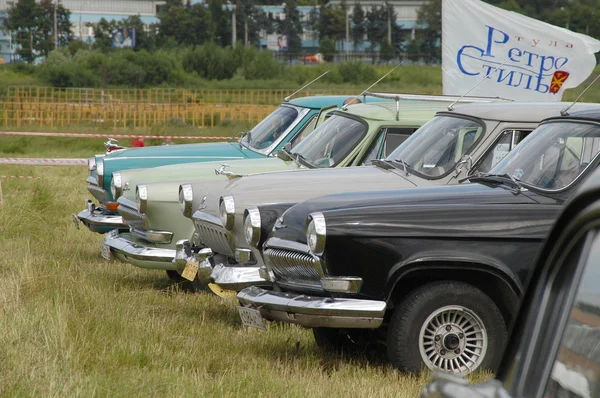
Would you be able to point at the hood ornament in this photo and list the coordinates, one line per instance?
(202, 204)
(229, 174)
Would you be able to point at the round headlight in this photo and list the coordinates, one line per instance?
(186, 199)
(141, 198)
(100, 172)
(181, 201)
(227, 211)
(91, 164)
(252, 226)
(116, 185)
(316, 233)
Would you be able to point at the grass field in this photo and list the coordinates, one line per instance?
(74, 324)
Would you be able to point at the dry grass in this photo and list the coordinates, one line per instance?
(73, 324)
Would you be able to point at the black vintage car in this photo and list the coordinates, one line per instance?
(554, 349)
(434, 273)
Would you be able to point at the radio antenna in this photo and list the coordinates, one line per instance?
(565, 111)
(345, 107)
(286, 99)
(451, 106)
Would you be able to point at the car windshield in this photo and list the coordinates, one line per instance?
(553, 155)
(265, 133)
(331, 142)
(434, 149)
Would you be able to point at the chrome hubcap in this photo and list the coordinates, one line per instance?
(453, 339)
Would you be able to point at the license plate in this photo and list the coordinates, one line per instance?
(75, 221)
(190, 271)
(251, 318)
(105, 251)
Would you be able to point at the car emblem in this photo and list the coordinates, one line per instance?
(202, 206)
(126, 187)
(221, 170)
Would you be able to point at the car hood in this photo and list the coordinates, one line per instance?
(356, 209)
(137, 158)
(163, 182)
(298, 185)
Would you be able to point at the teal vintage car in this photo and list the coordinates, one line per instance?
(285, 124)
(350, 137)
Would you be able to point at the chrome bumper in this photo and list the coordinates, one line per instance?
(125, 247)
(99, 219)
(228, 277)
(314, 311)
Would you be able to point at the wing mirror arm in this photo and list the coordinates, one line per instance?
(466, 160)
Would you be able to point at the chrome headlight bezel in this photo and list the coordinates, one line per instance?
(316, 233)
(141, 198)
(227, 211)
(252, 225)
(186, 199)
(100, 172)
(91, 163)
(116, 185)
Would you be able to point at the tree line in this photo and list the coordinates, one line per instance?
(182, 24)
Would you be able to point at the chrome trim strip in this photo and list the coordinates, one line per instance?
(101, 220)
(154, 236)
(208, 218)
(278, 243)
(312, 311)
(125, 247)
(98, 193)
(123, 201)
(237, 278)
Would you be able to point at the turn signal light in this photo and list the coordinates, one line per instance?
(112, 206)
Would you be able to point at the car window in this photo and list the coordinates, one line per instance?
(506, 143)
(576, 368)
(553, 155)
(387, 140)
(308, 128)
(374, 150)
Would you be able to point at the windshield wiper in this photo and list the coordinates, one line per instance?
(392, 164)
(505, 179)
(302, 160)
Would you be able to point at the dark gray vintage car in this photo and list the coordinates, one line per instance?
(554, 348)
(434, 273)
(234, 219)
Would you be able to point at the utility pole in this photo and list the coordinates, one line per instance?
(390, 24)
(233, 28)
(346, 10)
(55, 26)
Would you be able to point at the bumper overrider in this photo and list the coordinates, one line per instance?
(128, 248)
(314, 311)
(228, 277)
(99, 219)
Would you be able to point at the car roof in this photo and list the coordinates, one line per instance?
(520, 111)
(387, 110)
(319, 101)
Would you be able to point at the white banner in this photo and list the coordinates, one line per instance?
(536, 61)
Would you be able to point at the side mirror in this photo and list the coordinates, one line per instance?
(467, 161)
(288, 146)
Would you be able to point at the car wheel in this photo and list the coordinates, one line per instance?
(336, 340)
(448, 326)
(184, 284)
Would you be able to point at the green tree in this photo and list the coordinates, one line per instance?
(376, 25)
(430, 17)
(327, 48)
(32, 25)
(186, 25)
(291, 26)
(358, 31)
(222, 22)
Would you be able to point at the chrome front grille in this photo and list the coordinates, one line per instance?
(100, 194)
(132, 217)
(292, 266)
(215, 237)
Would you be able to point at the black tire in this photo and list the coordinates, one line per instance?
(174, 275)
(413, 311)
(339, 340)
(184, 284)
